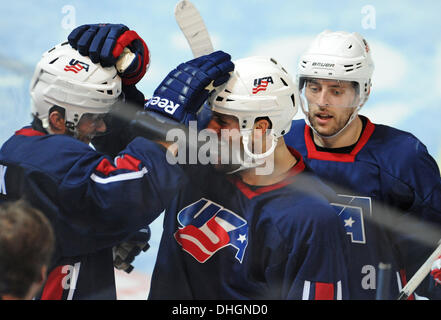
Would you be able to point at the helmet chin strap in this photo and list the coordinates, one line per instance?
(246, 139)
(256, 157)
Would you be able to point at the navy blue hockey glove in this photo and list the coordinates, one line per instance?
(104, 44)
(182, 93)
(204, 116)
(124, 253)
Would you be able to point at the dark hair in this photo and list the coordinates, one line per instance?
(26, 245)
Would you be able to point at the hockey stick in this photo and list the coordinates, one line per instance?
(193, 28)
(419, 276)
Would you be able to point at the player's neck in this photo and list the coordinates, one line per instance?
(275, 169)
(347, 137)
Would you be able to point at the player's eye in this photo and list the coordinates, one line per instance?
(219, 120)
(313, 88)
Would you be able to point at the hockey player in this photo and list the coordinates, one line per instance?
(248, 235)
(105, 43)
(378, 164)
(92, 201)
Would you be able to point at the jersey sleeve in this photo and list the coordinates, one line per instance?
(426, 182)
(412, 182)
(316, 258)
(412, 185)
(102, 200)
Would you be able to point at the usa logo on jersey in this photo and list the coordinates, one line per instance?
(207, 227)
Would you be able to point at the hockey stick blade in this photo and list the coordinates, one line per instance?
(419, 276)
(193, 27)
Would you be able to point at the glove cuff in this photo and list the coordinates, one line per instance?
(142, 60)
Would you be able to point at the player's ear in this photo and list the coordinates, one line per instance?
(262, 125)
(57, 122)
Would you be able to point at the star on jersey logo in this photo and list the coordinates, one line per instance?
(242, 238)
(349, 222)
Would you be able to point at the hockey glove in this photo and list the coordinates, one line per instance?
(204, 116)
(105, 43)
(436, 270)
(124, 253)
(184, 90)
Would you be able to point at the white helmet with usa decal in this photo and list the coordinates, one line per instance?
(65, 78)
(259, 88)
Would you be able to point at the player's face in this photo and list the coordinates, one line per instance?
(89, 126)
(330, 104)
(227, 130)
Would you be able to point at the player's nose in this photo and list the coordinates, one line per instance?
(100, 126)
(213, 126)
(323, 99)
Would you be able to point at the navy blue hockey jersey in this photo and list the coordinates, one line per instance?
(223, 239)
(92, 201)
(388, 167)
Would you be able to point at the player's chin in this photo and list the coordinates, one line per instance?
(320, 125)
(324, 130)
(86, 137)
(86, 140)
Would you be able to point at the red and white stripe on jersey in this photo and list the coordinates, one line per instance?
(61, 282)
(321, 291)
(106, 172)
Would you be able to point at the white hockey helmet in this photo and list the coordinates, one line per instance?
(339, 56)
(65, 78)
(259, 87)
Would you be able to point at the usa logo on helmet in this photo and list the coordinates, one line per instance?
(76, 66)
(261, 84)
